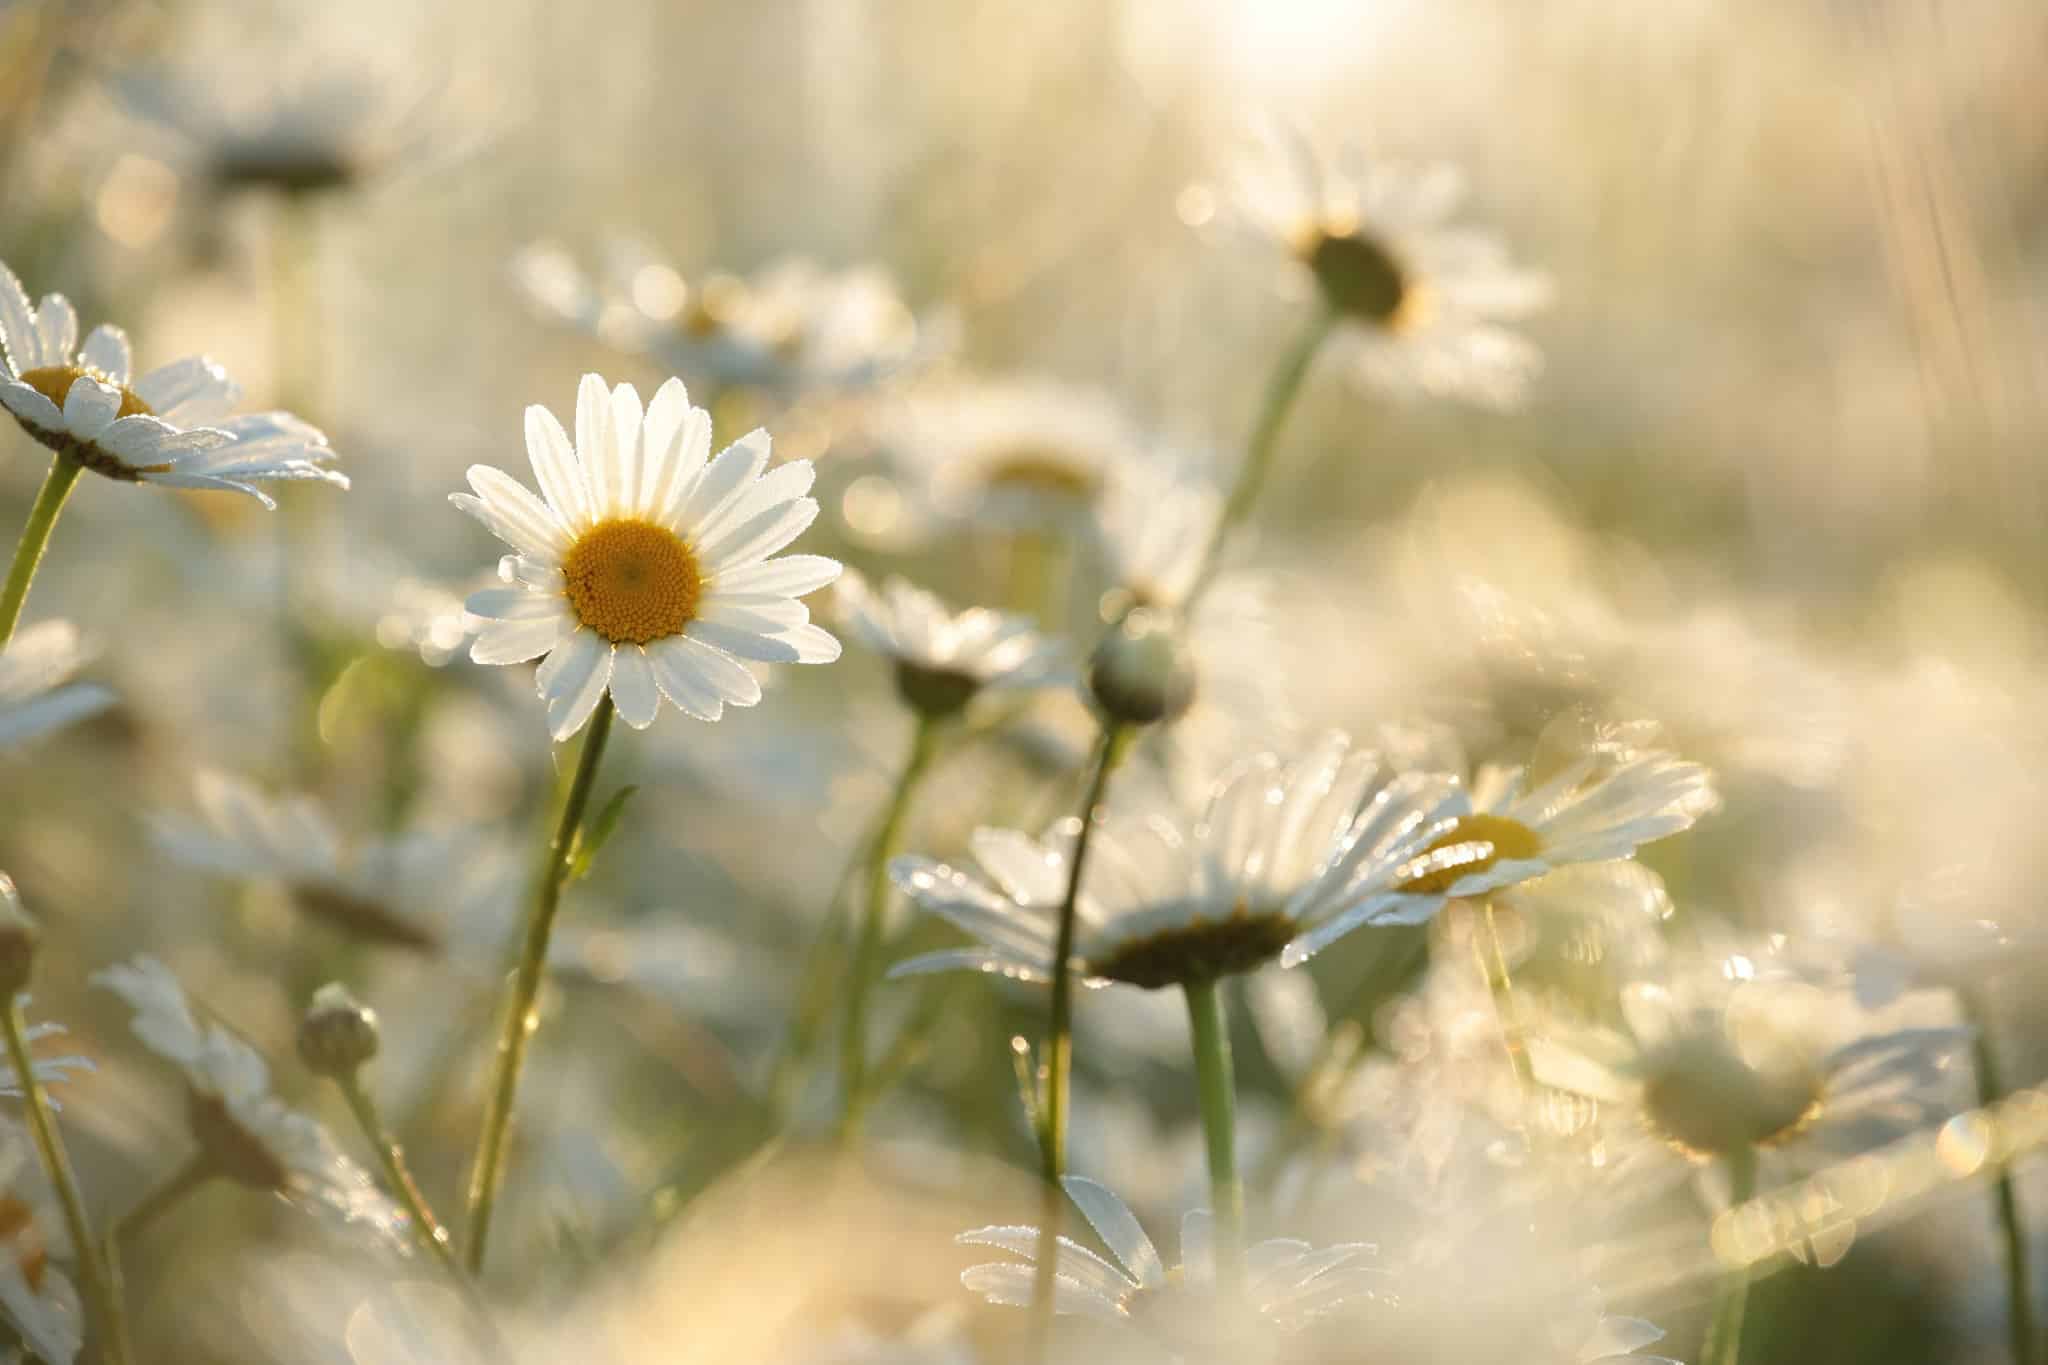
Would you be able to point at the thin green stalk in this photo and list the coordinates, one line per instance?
(1281, 391)
(1731, 1300)
(1218, 1090)
(159, 1201)
(1057, 1058)
(35, 538)
(2018, 1276)
(519, 1022)
(391, 1157)
(867, 952)
(108, 1316)
(1493, 965)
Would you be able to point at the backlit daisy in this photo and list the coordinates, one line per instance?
(1286, 858)
(1181, 1309)
(245, 1133)
(1421, 301)
(171, 426)
(1153, 526)
(944, 659)
(643, 568)
(35, 669)
(39, 1300)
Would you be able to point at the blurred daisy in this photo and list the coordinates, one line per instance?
(374, 891)
(643, 569)
(1288, 1285)
(245, 1133)
(1734, 1052)
(944, 659)
(795, 326)
(34, 696)
(1024, 454)
(1286, 858)
(1421, 301)
(38, 1299)
(169, 427)
(1602, 802)
(1153, 527)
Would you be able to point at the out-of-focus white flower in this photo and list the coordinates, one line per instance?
(1154, 522)
(1182, 1309)
(794, 327)
(385, 890)
(1422, 302)
(944, 658)
(39, 1299)
(35, 669)
(171, 426)
(1285, 859)
(643, 569)
(245, 1133)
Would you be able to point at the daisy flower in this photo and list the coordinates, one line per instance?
(168, 427)
(36, 696)
(944, 659)
(374, 891)
(245, 1133)
(1285, 859)
(643, 569)
(1181, 1309)
(795, 326)
(1422, 301)
(1600, 803)
(1153, 525)
(38, 1299)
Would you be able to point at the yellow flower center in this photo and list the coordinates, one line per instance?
(1032, 470)
(632, 581)
(1504, 838)
(54, 383)
(1362, 278)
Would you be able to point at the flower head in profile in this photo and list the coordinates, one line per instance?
(643, 569)
(37, 1298)
(36, 691)
(171, 426)
(1423, 302)
(794, 327)
(1181, 1309)
(245, 1133)
(1153, 526)
(372, 892)
(943, 658)
(1286, 858)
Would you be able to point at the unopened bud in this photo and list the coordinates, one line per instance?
(338, 1033)
(1142, 671)
(19, 938)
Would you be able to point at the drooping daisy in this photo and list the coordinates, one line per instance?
(1182, 1309)
(39, 1300)
(35, 669)
(944, 659)
(1285, 859)
(1604, 801)
(643, 569)
(245, 1133)
(171, 426)
(378, 891)
(1422, 302)
(794, 327)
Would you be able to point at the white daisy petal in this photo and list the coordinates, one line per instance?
(516, 641)
(107, 352)
(766, 649)
(573, 681)
(760, 536)
(725, 478)
(633, 687)
(594, 453)
(31, 406)
(540, 533)
(21, 345)
(554, 467)
(678, 674)
(789, 576)
(57, 324)
(90, 407)
(192, 390)
(726, 675)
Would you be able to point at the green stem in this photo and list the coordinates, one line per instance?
(1731, 1301)
(1057, 1058)
(2018, 1277)
(519, 1021)
(92, 1265)
(1281, 391)
(35, 538)
(159, 1201)
(1493, 966)
(867, 952)
(1218, 1092)
(391, 1157)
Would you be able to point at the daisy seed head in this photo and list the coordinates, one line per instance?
(338, 1033)
(1142, 671)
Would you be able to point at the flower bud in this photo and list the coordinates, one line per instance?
(19, 938)
(338, 1033)
(934, 693)
(1142, 671)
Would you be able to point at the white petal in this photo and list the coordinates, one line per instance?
(57, 322)
(573, 681)
(726, 675)
(813, 644)
(514, 642)
(90, 407)
(593, 441)
(1119, 1230)
(662, 464)
(725, 478)
(20, 344)
(767, 649)
(683, 682)
(790, 576)
(633, 689)
(514, 604)
(106, 350)
(771, 490)
(624, 455)
(554, 467)
(190, 390)
(537, 531)
(31, 406)
(760, 536)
